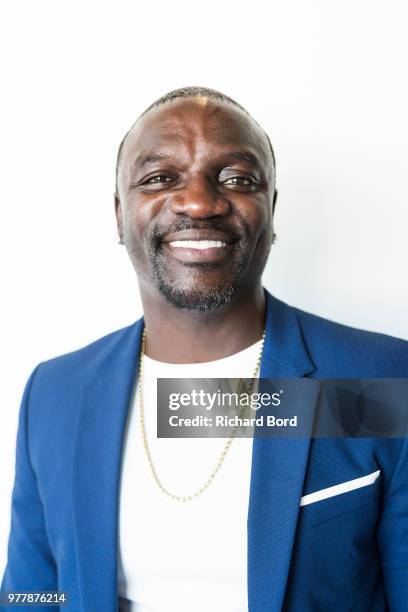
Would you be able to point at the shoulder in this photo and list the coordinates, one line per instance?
(349, 351)
(53, 397)
(78, 366)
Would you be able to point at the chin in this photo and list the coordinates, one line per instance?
(199, 299)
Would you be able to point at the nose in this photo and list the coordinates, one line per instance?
(199, 199)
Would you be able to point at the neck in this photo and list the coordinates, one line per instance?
(176, 335)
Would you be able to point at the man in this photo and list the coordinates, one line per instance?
(105, 511)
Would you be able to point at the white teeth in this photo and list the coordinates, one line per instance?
(198, 244)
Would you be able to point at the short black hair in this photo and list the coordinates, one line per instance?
(190, 92)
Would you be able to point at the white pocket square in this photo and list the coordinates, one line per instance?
(343, 487)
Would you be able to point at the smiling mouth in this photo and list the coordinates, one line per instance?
(201, 251)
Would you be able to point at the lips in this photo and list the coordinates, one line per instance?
(195, 246)
(197, 235)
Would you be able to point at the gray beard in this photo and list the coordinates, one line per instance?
(201, 299)
(197, 300)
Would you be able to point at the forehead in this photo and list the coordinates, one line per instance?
(189, 124)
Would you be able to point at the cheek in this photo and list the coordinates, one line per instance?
(259, 221)
(137, 219)
(258, 216)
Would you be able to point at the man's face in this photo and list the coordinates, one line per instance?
(195, 202)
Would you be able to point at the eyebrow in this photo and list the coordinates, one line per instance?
(244, 156)
(150, 158)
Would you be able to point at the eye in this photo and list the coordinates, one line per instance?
(159, 178)
(239, 183)
(158, 182)
(238, 180)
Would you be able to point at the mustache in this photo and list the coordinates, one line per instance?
(158, 232)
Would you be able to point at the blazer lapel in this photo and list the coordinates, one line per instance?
(96, 475)
(278, 467)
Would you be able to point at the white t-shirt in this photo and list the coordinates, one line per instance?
(184, 556)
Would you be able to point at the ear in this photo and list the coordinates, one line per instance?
(274, 199)
(118, 214)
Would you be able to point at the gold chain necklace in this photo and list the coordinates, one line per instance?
(206, 484)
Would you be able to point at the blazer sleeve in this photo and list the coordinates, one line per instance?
(30, 563)
(393, 535)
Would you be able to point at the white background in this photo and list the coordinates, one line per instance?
(326, 79)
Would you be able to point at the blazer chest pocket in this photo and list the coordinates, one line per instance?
(344, 498)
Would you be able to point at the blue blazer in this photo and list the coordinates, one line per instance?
(347, 552)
